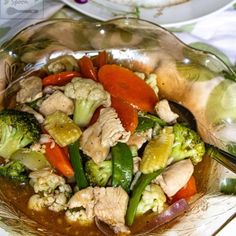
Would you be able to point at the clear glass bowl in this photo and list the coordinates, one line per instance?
(192, 78)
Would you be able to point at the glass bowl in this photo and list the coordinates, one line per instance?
(189, 77)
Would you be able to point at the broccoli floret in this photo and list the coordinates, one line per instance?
(153, 198)
(98, 174)
(187, 144)
(17, 130)
(88, 96)
(14, 170)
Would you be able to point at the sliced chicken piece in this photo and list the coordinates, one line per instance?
(112, 129)
(57, 102)
(175, 177)
(91, 144)
(85, 199)
(110, 207)
(103, 134)
(163, 110)
(30, 89)
(138, 139)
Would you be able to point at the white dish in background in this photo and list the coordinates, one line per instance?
(173, 16)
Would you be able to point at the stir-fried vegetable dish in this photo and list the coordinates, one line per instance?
(95, 142)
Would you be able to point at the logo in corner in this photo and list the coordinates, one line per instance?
(21, 9)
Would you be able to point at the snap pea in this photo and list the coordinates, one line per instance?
(76, 161)
(136, 194)
(122, 166)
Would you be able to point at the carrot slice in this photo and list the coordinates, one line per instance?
(87, 69)
(100, 60)
(127, 114)
(123, 83)
(60, 78)
(58, 158)
(187, 191)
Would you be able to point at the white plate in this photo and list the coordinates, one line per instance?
(172, 16)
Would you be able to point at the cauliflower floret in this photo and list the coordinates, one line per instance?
(97, 139)
(88, 96)
(163, 110)
(153, 198)
(51, 189)
(45, 180)
(36, 203)
(58, 202)
(55, 202)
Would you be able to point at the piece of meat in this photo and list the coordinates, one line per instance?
(97, 139)
(175, 177)
(110, 207)
(30, 89)
(112, 129)
(138, 139)
(57, 102)
(163, 110)
(85, 199)
(91, 144)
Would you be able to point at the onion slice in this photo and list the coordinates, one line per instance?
(173, 211)
(104, 228)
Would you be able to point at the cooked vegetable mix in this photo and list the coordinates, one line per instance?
(95, 137)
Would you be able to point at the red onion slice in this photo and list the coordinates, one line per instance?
(104, 228)
(173, 211)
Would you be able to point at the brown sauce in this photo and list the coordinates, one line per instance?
(17, 195)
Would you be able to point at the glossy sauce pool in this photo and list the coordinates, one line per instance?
(17, 195)
(55, 224)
